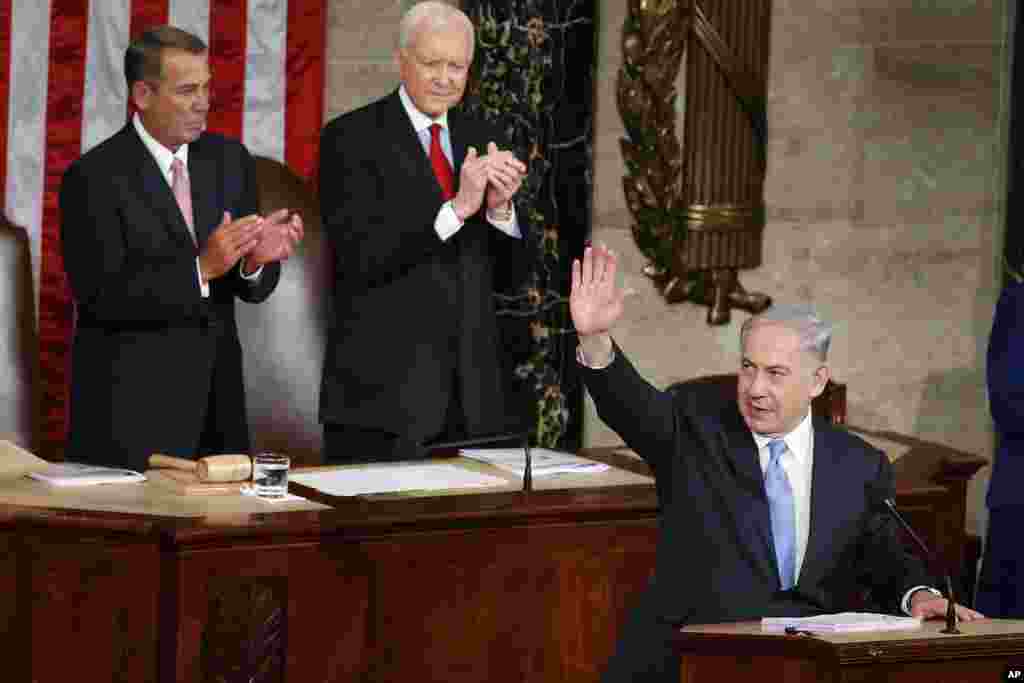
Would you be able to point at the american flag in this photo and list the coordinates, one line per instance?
(62, 90)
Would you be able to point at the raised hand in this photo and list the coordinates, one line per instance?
(230, 241)
(472, 183)
(282, 231)
(504, 177)
(595, 301)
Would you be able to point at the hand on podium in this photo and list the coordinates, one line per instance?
(928, 605)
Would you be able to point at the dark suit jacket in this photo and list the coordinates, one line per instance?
(1005, 375)
(410, 313)
(1000, 589)
(715, 559)
(154, 363)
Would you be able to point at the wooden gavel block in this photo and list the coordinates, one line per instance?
(212, 468)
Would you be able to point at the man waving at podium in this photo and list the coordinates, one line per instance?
(764, 510)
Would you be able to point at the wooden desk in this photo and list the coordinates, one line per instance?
(497, 586)
(494, 586)
(984, 651)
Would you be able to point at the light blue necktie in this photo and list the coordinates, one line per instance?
(780, 504)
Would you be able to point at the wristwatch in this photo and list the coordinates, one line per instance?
(501, 214)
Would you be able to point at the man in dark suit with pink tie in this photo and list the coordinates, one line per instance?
(160, 235)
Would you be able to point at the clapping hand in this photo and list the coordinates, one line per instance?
(504, 176)
(230, 241)
(282, 231)
(472, 183)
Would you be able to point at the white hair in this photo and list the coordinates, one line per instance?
(431, 16)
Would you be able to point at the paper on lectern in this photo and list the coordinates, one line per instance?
(843, 622)
(16, 462)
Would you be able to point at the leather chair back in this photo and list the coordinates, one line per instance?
(18, 339)
(283, 338)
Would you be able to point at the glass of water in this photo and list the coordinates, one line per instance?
(270, 475)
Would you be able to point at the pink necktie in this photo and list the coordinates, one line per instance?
(183, 193)
(442, 168)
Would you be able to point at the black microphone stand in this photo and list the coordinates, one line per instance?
(951, 619)
(528, 466)
(453, 446)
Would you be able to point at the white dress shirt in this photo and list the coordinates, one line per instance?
(798, 463)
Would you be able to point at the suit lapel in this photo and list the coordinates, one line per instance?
(456, 133)
(202, 171)
(406, 147)
(156, 192)
(826, 514)
(754, 517)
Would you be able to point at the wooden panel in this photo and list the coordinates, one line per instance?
(13, 612)
(309, 598)
(507, 604)
(245, 634)
(538, 604)
(92, 610)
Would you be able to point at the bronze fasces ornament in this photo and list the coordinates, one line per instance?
(697, 205)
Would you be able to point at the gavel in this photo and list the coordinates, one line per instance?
(212, 468)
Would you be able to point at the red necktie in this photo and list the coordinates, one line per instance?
(442, 169)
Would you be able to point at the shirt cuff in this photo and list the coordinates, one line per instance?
(905, 602)
(509, 226)
(204, 287)
(581, 358)
(447, 222)
(254, 276)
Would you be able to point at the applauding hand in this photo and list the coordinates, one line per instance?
(230, 241)
(472, 183)
(282, 231)
(504, 176)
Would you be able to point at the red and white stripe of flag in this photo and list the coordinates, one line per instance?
(62, 90)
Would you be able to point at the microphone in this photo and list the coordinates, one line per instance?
(521, 436)
(879, 498)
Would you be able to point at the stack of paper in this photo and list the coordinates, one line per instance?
(843, 622)
(16, 462)
(542, 461)
(390, 478)
(77, 474)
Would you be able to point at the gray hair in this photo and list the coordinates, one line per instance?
(143, 58)
(815, 333)
(432, 15)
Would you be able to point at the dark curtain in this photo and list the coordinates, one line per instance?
(534, 77)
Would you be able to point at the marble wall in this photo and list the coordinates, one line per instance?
(887, 144)
(361, 41)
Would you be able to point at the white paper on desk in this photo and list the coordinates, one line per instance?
(78, 474)
(15, 461)
(542, 461)
(843, 622)
(354, 481)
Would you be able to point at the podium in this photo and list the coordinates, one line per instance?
(984, 651)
